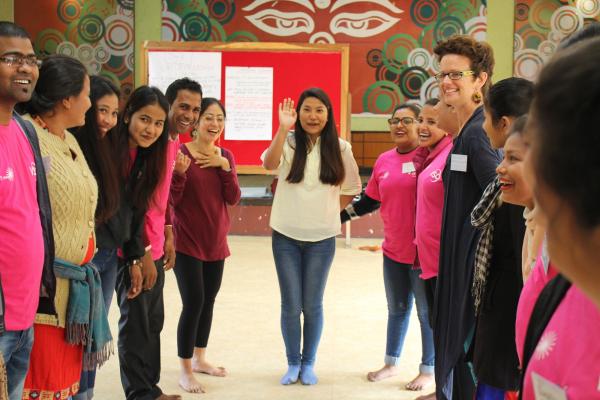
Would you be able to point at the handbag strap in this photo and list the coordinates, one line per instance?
(545, 306)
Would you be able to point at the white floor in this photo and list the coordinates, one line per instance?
(246, 338)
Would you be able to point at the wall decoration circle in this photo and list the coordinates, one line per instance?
(381, 97)
(91, 28)
(195, 26)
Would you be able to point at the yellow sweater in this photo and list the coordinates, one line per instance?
(73, 196)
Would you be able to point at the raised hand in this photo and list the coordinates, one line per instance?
(287, 114)
(182, 163)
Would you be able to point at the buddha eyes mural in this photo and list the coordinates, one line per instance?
(293, 17)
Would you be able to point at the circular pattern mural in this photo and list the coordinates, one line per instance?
(424, 12)
(381, 97)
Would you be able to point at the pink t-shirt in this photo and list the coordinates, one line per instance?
(541, 273)
(430, 204)
(566, 361)
(394, 183)
(154, 227)
(21, 238)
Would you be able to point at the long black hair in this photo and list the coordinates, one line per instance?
(153, 157)
(60, 77)
(98, 153)
(332, 168)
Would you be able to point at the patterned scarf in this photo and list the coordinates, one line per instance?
(87, 323)
(481, 217)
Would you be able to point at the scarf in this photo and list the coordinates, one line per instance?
(87, 323)
(481, 217)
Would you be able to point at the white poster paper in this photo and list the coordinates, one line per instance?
(249, 103)
(204, 67)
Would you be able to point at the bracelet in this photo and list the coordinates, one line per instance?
(135, 262)
(351, 212)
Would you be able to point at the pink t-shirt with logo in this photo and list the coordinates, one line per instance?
(21, 238)
(430, 205)
(566, 360)
(154, 227)
(394, 183)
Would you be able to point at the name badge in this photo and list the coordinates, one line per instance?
(546, 390)
(458, 162)
(408, 167)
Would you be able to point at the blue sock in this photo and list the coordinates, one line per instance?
(291, 376)
(307, 375)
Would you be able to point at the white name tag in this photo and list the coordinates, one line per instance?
(458, 162)
(546, 390)
(408, 167)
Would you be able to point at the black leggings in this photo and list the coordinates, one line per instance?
(198, 282)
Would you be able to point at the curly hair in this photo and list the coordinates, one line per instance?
(480, 54)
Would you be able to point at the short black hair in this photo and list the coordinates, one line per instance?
(10, 29)
(182, 84)
(510, 97)
(411, 106)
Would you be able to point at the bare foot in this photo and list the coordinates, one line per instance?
(189, 383)
(386, 372)
(430, 396)
(208, 369)
(420, 382)
(169, 397)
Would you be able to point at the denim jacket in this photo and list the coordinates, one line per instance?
(48, 283)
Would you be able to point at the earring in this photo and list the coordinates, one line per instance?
(476, 97)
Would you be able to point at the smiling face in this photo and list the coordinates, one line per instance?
(459, 93)
(404, 134)
(515, 189)
(184, 112)
(211, 124)
(146, 125)
(313, 116)
(16, 82)
(107, 112)
(429, 131)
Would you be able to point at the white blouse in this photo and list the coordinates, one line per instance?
(310, 210)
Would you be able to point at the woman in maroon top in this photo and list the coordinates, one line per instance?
(200, 193)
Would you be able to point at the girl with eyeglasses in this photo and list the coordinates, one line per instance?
(204, 183)
(393, 185)
(465, 70)
(317, 177)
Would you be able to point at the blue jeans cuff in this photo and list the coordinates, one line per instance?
(426, 369)
(391, 360)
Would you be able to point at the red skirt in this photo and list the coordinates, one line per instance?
(54, 366)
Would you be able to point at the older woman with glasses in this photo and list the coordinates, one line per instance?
(393, 184)
(465, 70)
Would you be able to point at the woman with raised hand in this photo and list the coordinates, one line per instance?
(317, 177)
(78, 333)
(393, 185)
(200, 193)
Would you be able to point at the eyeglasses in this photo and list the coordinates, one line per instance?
(18, 60)
(406, 121)
(453, 75)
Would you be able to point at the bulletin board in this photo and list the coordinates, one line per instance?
(291, 67)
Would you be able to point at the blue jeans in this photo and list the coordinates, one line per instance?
(402, 284)
(105, 261)
(15, 347)
(302, 269)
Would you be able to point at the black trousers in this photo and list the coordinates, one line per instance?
(430, 294)
(198, 282)
(140, 325)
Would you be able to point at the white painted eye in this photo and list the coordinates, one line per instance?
(280, 23)
(362, 25)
